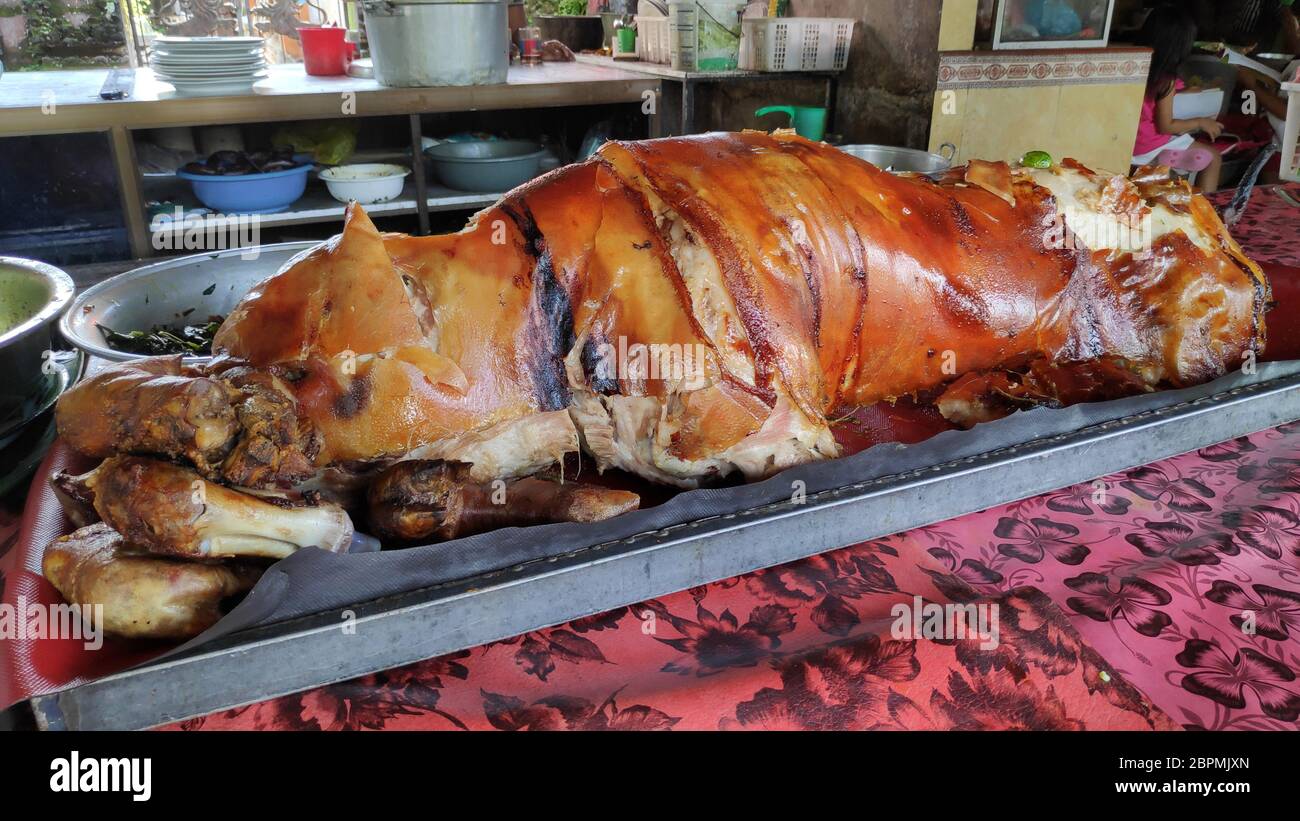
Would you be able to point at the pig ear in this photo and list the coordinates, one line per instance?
(364, 306)
(993, 177)
(344, 295)
(355, 219)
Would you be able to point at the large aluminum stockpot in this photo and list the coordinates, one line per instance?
(438, 42)
(900, 160)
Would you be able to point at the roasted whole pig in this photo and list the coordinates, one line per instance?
(680, 309)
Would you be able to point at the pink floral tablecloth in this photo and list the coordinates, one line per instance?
(1269, 227)
(1172, 586)
(1183, 574)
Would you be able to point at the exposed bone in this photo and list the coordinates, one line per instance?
(437, 500)
(142, 596)
(168, 509)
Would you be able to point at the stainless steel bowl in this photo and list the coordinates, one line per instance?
(486, 165)
(901, 160)
(32, 295)
(176, 292)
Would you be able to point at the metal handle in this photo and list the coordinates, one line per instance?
(952, 151)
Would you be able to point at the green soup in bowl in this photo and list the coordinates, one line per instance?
(32, 297)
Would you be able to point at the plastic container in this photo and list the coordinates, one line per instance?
(653, 39)
(705, 34)
(366, 183)
(625, 39)
(1290, 133)
(325, 50)
(797, 43)
(250, 193)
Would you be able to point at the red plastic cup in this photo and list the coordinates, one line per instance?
(325, 52)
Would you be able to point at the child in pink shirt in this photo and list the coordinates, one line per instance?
(1170, 32)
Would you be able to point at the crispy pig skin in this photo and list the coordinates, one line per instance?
(802, 281)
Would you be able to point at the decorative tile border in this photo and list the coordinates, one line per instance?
(1010, 69)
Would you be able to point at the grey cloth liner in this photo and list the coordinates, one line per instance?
(314, 581)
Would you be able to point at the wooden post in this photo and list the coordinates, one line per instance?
(417, 170)
(129, 186)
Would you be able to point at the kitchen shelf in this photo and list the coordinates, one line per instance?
(287, 95)
(316, 205)
(690, 80)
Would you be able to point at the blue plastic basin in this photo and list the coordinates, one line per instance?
(250, 193)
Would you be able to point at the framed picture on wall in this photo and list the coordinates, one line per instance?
(1052, 23)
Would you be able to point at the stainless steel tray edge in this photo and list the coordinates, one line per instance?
(311, 652)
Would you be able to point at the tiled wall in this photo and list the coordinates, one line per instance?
(1080, 103)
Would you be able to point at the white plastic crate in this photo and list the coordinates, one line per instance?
(1291, 133)
(797, 43)
(653, 39)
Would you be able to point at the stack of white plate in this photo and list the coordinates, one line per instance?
(208, 65)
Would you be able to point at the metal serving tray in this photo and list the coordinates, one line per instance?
(309, 652)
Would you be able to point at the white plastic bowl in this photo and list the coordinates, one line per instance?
(365, 182)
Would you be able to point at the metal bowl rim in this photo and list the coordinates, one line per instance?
(61, 297)
(941, 162)
(405, 172)
(143, 272)
(263, 175)
(919, 152)
(536, 154)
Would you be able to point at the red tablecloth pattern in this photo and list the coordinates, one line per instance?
(1148, 576)
(1183, 574)
(802, 646)
(1269, 227)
